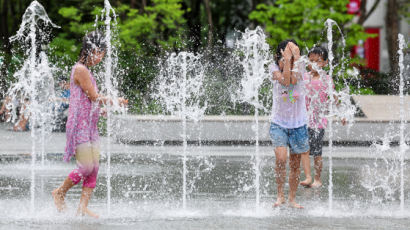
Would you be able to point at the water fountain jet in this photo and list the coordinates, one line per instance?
(35, 83)
(253, 54)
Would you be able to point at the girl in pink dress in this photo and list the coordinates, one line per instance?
(81, 127)
(317, 103)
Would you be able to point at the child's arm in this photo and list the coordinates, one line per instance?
(82, 78)
(293, 76)
(290, 55)
(295, 57)
(284, 77)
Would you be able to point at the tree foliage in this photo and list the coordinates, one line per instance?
(161, 25)
(148, 29)
(305, 21)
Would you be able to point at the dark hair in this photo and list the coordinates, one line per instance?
(319, 50)
(281, 46)
(92, 41)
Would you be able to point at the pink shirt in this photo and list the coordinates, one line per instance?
(82, 119)
(317, 100)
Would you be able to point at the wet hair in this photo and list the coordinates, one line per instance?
(281, 46)
(91, 42)
(319, 50)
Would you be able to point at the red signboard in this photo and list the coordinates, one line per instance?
(369, 50)
(353, 7)
(372, 49)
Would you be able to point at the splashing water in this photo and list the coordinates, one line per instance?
(385, 178)
(34, 87)
(382, 178)
(110, 74)
(179, 88)
(253, 53)
(403, 146)
(344, 108)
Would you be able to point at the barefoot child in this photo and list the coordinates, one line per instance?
(288, 127)
(317, 103)
(81, 127)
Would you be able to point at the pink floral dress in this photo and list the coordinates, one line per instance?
(82, 119)
(317, 100)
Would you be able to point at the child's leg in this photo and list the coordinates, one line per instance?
(91, 179)
(306, 168)
(85, 197)
(83, 158)
(89, 183)
(60, 192)
(280, 142)
(299, 145)
(294, 176)
(281, 158)
(313, 136)
(318, 170)
(317, 153)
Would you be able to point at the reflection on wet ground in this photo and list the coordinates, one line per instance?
(146, 193)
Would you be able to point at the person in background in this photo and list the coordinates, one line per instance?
(317, 103)
(23, 123)
(62, 107)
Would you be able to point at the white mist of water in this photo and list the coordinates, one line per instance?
(382, 177)
(339, 104)
(403, 146)
(253, 53)
(385, 178)
(179, 88)
(110, 84)
(343, 108)
(34, 87)
(329, 23)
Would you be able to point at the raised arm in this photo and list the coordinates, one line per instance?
(290, 55)
(287, 66)
(295, 57)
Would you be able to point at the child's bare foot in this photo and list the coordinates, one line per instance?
(58, 199)
(307, 182)
(293, 204)
(316, 184)
(88, 212)
(279, 202)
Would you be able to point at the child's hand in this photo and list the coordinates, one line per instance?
(294, 50)
(276, 77)
(287, 53)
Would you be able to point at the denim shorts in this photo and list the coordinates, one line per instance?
(316, 141)
(297, 139)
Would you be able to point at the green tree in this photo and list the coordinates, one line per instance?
(143, 34)
(160, 26)
(304, 21)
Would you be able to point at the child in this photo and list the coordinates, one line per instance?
(288, 127)
(8, 108)
(317, 103)
(81, 127)
(62, 107)
(23, 123)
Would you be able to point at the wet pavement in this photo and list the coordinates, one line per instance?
(147, 189)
